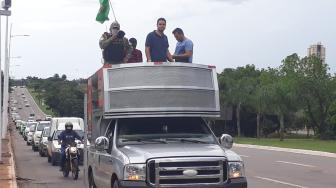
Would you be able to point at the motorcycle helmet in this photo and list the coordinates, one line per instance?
(68, 126)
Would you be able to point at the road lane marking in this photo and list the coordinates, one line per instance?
(298, 164)
(244, 156)
(280, 182)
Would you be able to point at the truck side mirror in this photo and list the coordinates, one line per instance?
(101, 143)
(226, 141)
(49, 138)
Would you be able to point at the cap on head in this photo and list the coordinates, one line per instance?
(115, 25)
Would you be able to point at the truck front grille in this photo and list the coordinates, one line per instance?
(173, 172)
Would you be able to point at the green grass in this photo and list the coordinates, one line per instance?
(307, 144)
(43, 107)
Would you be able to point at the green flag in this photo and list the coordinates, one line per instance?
(104, 10)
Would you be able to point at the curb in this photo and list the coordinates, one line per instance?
(289, 150)
(12, 162)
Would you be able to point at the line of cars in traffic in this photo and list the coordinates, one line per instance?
(42, 135)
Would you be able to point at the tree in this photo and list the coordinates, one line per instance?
(317, 93)
(236, 86)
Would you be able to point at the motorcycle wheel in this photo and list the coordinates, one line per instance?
(75, 169)
(66, 170)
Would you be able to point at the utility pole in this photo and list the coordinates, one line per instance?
(6, 81)
(6, 4)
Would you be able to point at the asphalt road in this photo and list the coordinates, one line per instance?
(32, 170)
(264, 168)
(281, 169)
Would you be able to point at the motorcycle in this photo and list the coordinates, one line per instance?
(71, 161)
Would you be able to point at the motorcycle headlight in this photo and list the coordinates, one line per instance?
(73, 150)
(236, 169)
(135, 172)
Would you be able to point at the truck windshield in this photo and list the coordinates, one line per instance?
(163, 130)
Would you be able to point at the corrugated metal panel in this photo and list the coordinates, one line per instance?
(172, 88)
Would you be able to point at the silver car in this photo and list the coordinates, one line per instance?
(44, 142)
(30, 129)
(38, 133)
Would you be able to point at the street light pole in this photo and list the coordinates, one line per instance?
(6, 5)
(6, 76)
(6, 81)
(0, 99)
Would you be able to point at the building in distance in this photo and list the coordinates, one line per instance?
(317, 50)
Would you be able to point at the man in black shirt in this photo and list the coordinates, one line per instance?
(116, 48)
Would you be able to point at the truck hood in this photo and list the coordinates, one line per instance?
(141, 153)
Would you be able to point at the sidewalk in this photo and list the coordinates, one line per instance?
(7, 168)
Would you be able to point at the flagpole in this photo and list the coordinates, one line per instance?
(115, 18)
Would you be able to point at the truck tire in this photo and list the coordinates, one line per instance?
(91, 181)
(115, 184)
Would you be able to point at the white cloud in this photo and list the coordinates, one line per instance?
(227, 33)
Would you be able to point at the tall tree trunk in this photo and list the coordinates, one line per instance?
(258, 125)
(282, 127)
(238, 119)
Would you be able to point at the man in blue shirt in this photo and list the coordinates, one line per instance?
(157, 44)
(184, 47)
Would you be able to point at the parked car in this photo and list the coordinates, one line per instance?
(27, 105)
(38, 133)
(44, 142)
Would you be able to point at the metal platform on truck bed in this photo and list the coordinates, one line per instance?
(158, 89)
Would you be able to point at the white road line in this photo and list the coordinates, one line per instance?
(280, 182)
(244, 156)
(298, 164)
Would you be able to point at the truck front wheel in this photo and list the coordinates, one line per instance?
(91, 181)
(115, 184)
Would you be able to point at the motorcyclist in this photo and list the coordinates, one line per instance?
(67, 137)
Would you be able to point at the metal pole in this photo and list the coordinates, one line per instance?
(6, 80)
(0, 99)
(85, 141)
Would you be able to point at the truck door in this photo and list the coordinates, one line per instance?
(105, 162)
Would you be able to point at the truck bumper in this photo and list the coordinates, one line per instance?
(232, 183)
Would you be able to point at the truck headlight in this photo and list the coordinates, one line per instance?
(135, 172)
(236, 170)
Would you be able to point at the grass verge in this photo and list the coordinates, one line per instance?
(43, 107)
(307, 144)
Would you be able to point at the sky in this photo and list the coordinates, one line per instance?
(227, 33)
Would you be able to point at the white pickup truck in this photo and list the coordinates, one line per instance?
(148, 127)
